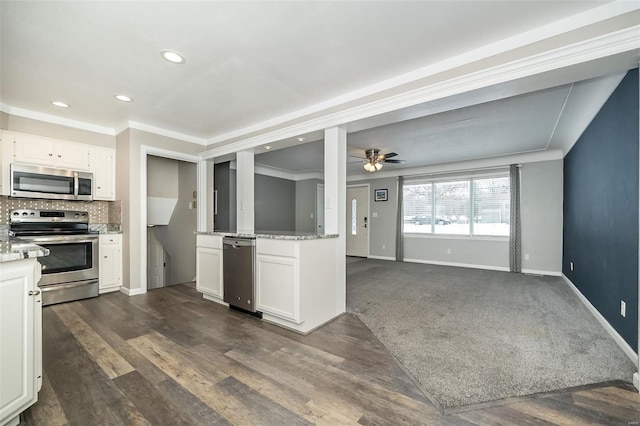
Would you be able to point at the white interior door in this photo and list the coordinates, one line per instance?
(320, 209)
(358, 221)
(155, 261)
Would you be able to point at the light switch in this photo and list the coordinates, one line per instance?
(374, 214)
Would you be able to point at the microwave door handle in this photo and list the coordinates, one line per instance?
(76, 185)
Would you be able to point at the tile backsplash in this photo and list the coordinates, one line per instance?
(99, 211)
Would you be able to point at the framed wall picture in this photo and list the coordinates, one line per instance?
(380, 194)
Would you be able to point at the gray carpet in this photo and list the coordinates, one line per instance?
(471, 336)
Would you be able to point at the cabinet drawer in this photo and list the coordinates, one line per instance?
(209, 241)
(110, 239)
(285, 248)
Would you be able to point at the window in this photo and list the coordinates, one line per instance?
(470, 206)
(354, 217)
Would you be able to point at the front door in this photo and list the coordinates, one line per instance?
(357, 221)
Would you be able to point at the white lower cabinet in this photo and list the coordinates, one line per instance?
(278, 286)
(209, 279)
(20, 338)
(110, 266)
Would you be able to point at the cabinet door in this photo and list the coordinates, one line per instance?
(102, 165)
(110, 274)
(277, 286)
(33, 150)
(18, 312)
(69, 155)
(209, 271)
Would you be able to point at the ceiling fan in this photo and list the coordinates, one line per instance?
(374, 160)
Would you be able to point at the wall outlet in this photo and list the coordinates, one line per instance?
(374, 214)
(448, 251)
(311, 215)
(571, 265)
(526, 256)
(623, 308)
(384, 247)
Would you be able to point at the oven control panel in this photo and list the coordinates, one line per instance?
(33, 215)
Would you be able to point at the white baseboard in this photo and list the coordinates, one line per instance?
(134, 292)
(214, 299)
(381, 257)
(538, 272)
(633, 356)
(461, 265)
(636, 381)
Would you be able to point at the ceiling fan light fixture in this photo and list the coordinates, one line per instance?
(377, 165)
(369, 167)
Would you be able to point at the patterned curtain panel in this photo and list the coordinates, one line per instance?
(515, 237)
(400, 223)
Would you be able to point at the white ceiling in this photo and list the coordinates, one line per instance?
(250, 62)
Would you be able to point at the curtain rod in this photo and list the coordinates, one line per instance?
(479, 169)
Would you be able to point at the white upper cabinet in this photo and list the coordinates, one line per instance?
(29, 149)
(42, 151)
(102, 163)
(70, 155)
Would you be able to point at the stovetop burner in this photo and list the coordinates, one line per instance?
(32, 222)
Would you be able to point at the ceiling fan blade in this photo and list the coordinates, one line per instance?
(389, 155)
(395, 161)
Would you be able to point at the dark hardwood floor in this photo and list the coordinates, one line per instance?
(171, 358)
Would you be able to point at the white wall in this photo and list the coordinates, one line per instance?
(541, 201)
(128, 178)
(306, 204)
(179, 238)
(162, 177)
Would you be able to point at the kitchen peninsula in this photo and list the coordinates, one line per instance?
(296, 284)
(20, 327)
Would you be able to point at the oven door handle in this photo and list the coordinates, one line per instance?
(76, 185)
(61, 240)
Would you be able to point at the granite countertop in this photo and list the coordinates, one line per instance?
(106, 228)
(12, 248)
(273, 235)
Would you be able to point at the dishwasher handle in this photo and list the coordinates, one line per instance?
(237, 243)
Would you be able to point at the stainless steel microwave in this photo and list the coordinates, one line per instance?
(57, 184)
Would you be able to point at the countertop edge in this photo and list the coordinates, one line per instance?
(12, 249)
(301, 237)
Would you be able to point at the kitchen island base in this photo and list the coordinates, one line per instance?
(297, 286)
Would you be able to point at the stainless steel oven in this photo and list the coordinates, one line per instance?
(70, 272)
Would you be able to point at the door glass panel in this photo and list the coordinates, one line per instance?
(66, 257)
(31, 182)
(354, 218)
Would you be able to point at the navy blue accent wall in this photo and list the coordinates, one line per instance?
(601, 210)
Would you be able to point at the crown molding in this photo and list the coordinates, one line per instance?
(286, 174)
(460, 166)
(168, 133)
(573, 54)
(617, 42)
(48, 118)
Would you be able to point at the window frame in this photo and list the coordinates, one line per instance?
(455, 178)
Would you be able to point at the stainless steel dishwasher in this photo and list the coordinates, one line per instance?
(238, 258)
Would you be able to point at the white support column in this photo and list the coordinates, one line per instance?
(205, 195)
(245, 192)
(335, 208)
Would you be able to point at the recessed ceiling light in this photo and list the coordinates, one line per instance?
(267, 147)
(301, 139)
(123, 98)
(172, 56)
(60, 104)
